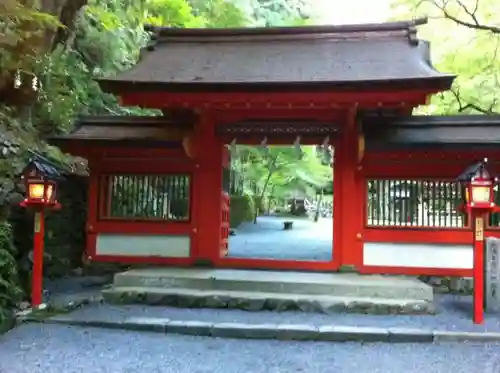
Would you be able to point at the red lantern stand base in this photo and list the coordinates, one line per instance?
(478, 217)
(38, 249)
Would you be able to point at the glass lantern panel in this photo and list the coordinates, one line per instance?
(49, 192)
(480, 194)
(35, 191)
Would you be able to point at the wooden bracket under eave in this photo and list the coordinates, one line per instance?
(189, 144)
(361, 147)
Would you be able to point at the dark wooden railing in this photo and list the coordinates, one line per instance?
(145, 197)
(414, 203)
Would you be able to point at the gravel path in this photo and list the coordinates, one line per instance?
(454, 315)
(267, 239)
(59, 349)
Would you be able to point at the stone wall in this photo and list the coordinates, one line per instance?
(452, 285)
(457, 285)
(64, 231)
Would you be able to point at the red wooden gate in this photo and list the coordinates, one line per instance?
(224, 242)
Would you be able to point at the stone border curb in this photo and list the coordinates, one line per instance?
(284, 332)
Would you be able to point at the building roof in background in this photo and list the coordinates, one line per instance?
(456, 131)
(125, 129)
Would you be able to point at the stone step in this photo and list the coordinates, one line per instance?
(270, 301)
(330, 284)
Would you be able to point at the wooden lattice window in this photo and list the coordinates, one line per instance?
(414, 203)
(145, 197)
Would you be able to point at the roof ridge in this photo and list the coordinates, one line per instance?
(171, 32)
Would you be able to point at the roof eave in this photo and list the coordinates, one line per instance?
(440, 82)
(67, 142)
(431, 121)
(431, 145)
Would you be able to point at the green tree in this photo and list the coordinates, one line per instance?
(281, 171)
(279, 12)
(465, 40)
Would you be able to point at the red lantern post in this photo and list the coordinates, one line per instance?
(40, 196)
(479, 203)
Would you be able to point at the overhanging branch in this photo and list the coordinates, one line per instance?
(474, 22)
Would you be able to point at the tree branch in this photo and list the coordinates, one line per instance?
(462, 107)
(473, 24)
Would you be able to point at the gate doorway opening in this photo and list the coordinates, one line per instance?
(281, 202)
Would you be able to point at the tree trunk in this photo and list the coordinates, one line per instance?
(66, 11)
(262, 195)
(271, 194)
(271, 167)
(318, 206)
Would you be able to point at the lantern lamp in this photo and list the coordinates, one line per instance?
(40, 190)
(478, 185)
(40, 183)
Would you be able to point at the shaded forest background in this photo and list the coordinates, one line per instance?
(51, 50)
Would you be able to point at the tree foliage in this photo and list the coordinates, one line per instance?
(283, 171)
(277, 12)
(52, 50)
(465, 37)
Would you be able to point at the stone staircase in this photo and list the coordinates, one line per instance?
(256, 290)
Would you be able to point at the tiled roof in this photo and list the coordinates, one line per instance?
(340, 57)
(475, 131)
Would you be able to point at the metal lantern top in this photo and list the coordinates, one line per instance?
(477, 171)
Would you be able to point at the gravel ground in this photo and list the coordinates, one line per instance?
(454, 315)
(59, 349)
(267, 239)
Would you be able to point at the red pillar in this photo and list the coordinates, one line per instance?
(94, 209)
(478, 246)
(349, 197)
(207, 190)
(38, 247)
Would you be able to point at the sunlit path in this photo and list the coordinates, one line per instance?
(267, 239)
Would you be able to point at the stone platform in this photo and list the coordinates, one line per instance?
(256, 290)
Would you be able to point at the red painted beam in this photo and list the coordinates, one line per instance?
(418, 235)
(127, 166)
(125, 226)
(278, 100)
(416, 271)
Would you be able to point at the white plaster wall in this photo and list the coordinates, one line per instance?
(418, 255)
(171, 246)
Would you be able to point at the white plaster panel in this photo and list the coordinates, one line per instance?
(167, 246)
(418, 255)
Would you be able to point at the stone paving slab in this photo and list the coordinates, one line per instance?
(289, 332)
(283, 282)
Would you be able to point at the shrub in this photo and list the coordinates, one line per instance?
(242, 209)
(10, 293)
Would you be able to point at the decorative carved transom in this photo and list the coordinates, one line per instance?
(276, 128)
